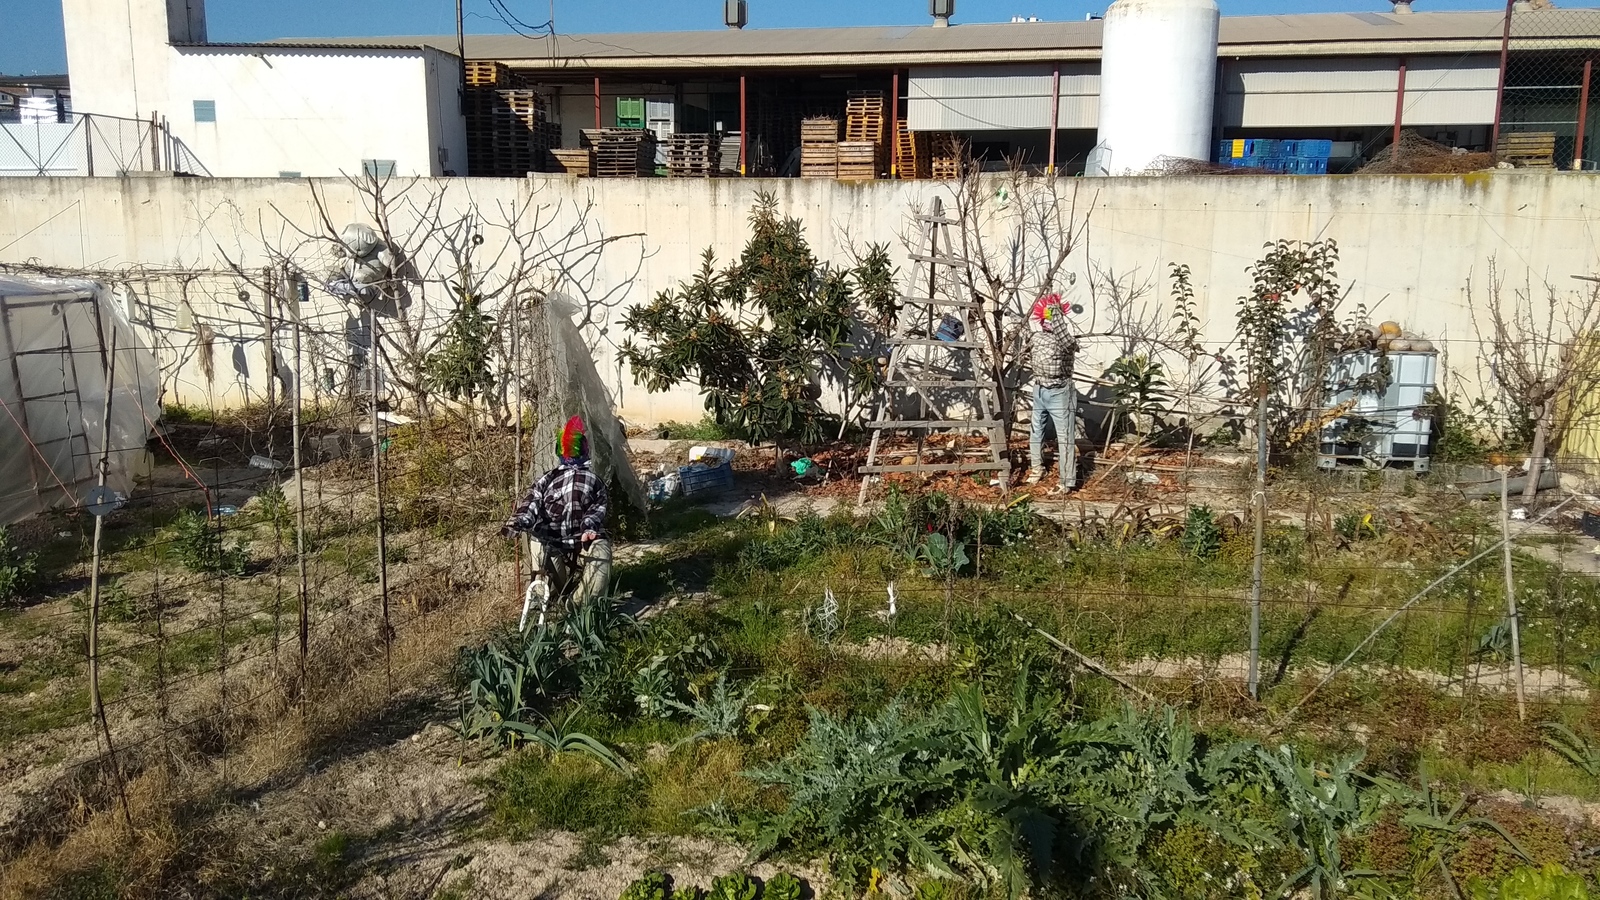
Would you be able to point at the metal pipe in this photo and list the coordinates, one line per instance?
(1583, 115)
(894, 126)
(377, 495)
(461, 55)
(1055, 115)
(1500, 88)
(744, 135)
(1399, 103)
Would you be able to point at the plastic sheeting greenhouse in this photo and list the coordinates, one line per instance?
(59, 340)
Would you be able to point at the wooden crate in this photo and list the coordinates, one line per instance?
(621, 152)
(819, 131)
(858, 160)
(1528, 149)
(572, 162)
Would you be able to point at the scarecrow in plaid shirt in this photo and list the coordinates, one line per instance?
(564, 514)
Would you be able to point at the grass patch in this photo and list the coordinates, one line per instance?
(706, 429)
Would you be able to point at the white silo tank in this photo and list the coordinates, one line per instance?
(1158, 83)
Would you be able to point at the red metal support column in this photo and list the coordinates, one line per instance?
(1583, 116)
(744, 128)
(1500, 89)
(597, 102)
(1399, 104)
(1055, 115)
(894, 126)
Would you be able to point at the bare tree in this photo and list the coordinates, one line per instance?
(1541, 351)
(452, 268)
(1014, 234)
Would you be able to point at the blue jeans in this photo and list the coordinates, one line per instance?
(1057, 405)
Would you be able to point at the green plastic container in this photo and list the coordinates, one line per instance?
(630, 112)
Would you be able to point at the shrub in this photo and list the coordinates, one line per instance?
(733, 886)
(1202, 536)
(200, 547)
(18, 570)
(649, 886)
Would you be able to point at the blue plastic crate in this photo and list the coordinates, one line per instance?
(1313, 166)
(1224, 151)
(705, 480)
(1276, 165)
(1316, 149)
(1290, 149)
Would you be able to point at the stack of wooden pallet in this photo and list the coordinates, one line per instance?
(621, 152)
(1528, 149)
(508, 123)
(914, 160)
(865, 123)
(946, 154)
(694, 155)
(819, 148)
(572, 162)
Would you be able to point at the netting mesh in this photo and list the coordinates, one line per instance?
(1547, 102)
(1416, 155)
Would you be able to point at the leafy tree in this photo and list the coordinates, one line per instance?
(758, 335)
(460, 368)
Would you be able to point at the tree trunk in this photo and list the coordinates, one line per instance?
(1541, 429)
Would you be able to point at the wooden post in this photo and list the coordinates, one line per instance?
(744, 129)
(1055, 115)
(1511, 593)
(299, 482)
(377, 493)
(1500, 88)
(1259, 505)
(97, 706)
(1583, 115)
(597, 102)
(1399, 105)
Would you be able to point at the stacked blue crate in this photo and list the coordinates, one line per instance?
(1290, 157)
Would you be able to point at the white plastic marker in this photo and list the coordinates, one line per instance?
(543, 588)
(891, 601)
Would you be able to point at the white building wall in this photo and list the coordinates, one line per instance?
(1407, 244)
(317, 113)
(1304, 93)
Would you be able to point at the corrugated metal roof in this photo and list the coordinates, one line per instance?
(1310, 33)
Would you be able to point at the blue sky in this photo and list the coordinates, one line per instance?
(33, 43)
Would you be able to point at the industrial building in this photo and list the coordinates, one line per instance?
(1046, 93)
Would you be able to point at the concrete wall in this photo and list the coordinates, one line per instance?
(1408, 245)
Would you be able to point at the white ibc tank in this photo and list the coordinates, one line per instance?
(1158, 84)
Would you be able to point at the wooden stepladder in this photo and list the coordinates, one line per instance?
(933, 351)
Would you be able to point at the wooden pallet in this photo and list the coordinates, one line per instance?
(482, 72)
(621, 152)
(913, 158)
(572, 162)
(694, 155)
(1528, 149)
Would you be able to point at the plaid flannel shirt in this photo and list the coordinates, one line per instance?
(563, 504)
(1053, 353)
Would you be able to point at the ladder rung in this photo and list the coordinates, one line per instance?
(925, 301)
(937, 382)
(937, 220)
(952, 261)
(934, 342)
(970, 424)
(937, 467)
